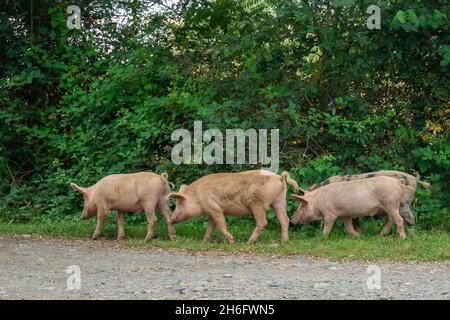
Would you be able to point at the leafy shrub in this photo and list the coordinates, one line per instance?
(76, 105)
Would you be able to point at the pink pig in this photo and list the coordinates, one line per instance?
(136, 192)
(235, 194)
(353, 199)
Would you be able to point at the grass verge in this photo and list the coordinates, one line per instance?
(304, 240)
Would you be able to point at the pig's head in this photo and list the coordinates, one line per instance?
(187, 207)
(305, 212)
(89, 208)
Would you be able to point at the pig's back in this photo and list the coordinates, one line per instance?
(382, 182)
(233, 180)
(408, 179)
(236, 191)
(368, 192)
(131, 187)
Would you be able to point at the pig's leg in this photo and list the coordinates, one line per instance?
(164, 208)
(398, 220)
(411, 231)
(209, 229)
(219, 219)
(387, 228)
(328, 223)
(151, 219)
(120, 222)
(280, 211)
(349, 227)
(261, 222)
(101, 216)
(356, 224)
(407, 215)
(405, 206)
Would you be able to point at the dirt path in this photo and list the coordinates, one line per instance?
(35, 268)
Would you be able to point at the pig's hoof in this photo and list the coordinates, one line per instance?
(119, 239)
(356, 235)
(94, 237)
(384, 233)
(148, 239)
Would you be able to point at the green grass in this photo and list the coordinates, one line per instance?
(304, 240)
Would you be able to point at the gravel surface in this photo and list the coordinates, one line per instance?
(36, 268)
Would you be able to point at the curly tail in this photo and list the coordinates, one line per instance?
(422, 183)
(286, 177)
(165, 176)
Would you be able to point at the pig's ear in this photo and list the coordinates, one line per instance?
(176, 196)
(78, 188)
(183, 186)
(300, 199)
(304, 190)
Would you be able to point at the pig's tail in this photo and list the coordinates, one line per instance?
(285, 176)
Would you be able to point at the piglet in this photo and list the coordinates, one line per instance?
(353, 199)
(235, 194)
(136, 192)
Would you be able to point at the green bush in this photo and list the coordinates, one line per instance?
(76, 105)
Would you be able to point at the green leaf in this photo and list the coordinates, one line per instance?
(342, 3)
(400, 16)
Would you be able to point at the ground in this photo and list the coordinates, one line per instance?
(34, 267)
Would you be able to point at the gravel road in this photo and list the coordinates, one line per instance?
(34, 267)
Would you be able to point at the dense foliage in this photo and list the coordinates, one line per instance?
(76, 105)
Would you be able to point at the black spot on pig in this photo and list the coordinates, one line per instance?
(371, 175)
(405, 180)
